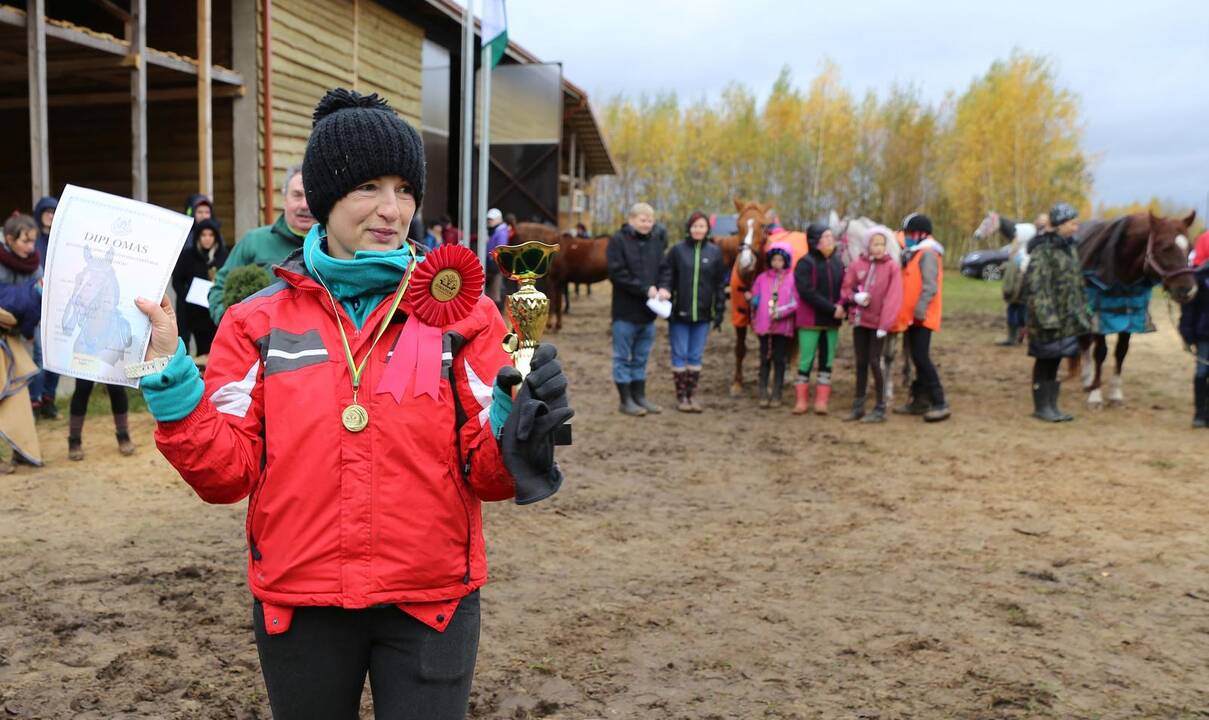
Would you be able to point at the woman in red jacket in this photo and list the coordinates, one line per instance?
(349, 402)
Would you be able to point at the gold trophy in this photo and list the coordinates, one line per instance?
(528, 308)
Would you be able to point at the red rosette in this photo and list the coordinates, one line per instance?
(446, 286)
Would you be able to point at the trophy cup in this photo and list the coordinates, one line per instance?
(528, 308)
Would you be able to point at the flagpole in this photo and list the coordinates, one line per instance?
(484, 153)
(467, 151)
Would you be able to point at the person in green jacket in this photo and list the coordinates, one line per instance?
(268, 245)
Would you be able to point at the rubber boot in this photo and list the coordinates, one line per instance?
(801, 393)
(681, 379)
(778, 385)
(1200, 394)
(1044, 399)
(938, 409)
(638, 388)
(878, 414)
(627, 405)
(75, 447)
(858, 410)
(125, 445)
(1013, 337)
(917, 405)
(1054, 390)
(821, 397)
(47, 410)
(694, 379)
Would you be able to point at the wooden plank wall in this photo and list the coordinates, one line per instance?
(313, 51)
(91, 147)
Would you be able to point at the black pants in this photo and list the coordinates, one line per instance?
(118, 401)
(1046, 369)
(774, 352)
(316, 669)
(193, 321)
(867, 350)
(919, 339)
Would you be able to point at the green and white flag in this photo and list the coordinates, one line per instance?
(495, 29)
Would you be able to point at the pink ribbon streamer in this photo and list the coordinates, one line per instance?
(417, 358)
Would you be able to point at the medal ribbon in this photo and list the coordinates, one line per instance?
(353, 368)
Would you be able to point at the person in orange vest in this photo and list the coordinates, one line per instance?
(919, 316)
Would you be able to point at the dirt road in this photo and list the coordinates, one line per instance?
(737, 564)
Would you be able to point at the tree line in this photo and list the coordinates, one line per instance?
(1011, 142)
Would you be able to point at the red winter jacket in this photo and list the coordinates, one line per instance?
(388, 515)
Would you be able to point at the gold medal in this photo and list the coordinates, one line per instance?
(446, 285)
(355, 418)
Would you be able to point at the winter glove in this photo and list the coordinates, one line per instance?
(881, 334)
(527, 440)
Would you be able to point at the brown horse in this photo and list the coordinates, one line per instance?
(744, 255)
(580, 260)
(1123, 260)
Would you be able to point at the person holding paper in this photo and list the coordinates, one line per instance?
(635, 254)
(204, 253)
(349, 402)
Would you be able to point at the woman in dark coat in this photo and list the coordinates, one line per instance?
(693, 277)
(203, 255)
(1057, 307)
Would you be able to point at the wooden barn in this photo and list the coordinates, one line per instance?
(111, 94)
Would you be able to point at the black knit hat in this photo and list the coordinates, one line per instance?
(357, 138)
(917, 223)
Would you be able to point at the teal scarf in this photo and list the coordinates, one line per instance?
(359, 284)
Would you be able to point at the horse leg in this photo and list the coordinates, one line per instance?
(1116, 397)
(560, 293)
(736, 387)
(1095, 399)
(1083, 362)
(566, 293)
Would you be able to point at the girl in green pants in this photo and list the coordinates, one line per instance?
(818, 278)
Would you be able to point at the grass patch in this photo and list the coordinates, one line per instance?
(98, 402)
(969, 296)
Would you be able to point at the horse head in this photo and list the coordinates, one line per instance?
(754, 217)
(987, 227)
(1166, 258)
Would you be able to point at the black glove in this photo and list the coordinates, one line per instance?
(527, 440)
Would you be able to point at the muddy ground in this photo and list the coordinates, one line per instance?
(737, 564)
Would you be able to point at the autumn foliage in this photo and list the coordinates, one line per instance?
(1009, 142)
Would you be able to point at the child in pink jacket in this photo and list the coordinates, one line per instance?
(774, 301)
(872, 293)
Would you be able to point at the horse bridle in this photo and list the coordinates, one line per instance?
(1152, 264)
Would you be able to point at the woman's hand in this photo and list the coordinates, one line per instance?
(664, 294)
(164, 335)
(652, 291)
(839, 312)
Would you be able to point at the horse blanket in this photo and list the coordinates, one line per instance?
(1116, 307)
(17, 369)
(740, 311)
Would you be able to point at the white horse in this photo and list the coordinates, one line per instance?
(852, 237)
(1018, 234)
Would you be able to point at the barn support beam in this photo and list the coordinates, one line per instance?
(39, 136)
(245, 120)
(136, 31)
(205, 120)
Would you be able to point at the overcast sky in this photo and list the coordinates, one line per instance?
(1140, 68)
